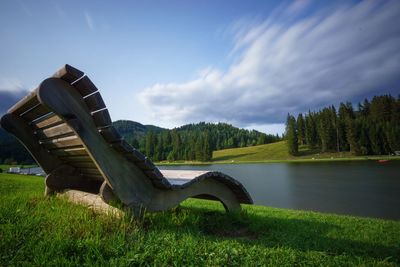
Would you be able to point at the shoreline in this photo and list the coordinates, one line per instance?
(300, 160)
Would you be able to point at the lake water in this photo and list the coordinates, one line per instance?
(364, 188)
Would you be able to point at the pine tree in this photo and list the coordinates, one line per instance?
(291, 135)
(301, 129)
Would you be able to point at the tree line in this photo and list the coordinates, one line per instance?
(198, 141)
(372, 128)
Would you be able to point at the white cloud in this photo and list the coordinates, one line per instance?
(298, 6)
(329, 56)
(89, 21)
(11, 86)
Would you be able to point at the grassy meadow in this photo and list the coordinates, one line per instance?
(53, 232)
(278, 152)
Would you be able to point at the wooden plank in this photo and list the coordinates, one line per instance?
(47, 122)
(94, 102)
(78, 151)
(131, 184)
(25, 104)
(68, 73)
(93, 177)
(35, 113)
(154, 174)
(19, 128)
(102, 118)
(122, 146)
(57, 130)
(71, 159)
(147, 164)
(135, 156)
(89, 171)
(84, 164)
(63, 142)
(110, 134)
(85, 86)
(182, 174)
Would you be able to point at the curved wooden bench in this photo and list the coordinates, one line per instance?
(66, 127)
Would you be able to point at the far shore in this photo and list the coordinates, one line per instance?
(300, 160)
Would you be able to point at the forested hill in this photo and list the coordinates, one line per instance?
(188, 142)
(197, 141)
(133, 131)
(372, 128)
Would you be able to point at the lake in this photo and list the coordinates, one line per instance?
(361, 188)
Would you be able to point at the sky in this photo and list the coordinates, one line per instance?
(168, 63)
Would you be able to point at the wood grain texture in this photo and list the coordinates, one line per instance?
(126, 179)
(46, 122)
(110, 134)
(20, 129)
(92, 201)
(71, 152)
(68, 73)
(85, 86)
(57, 130)
(63, 142)
(102, 118)
(95, 102)
(35, 113)
(24, 104)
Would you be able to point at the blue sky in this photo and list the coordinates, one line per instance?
(168, 63)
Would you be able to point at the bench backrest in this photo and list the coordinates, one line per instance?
(57, 134)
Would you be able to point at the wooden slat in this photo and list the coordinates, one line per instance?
(89, 171)
(60, 129)
(85, 86)
(75, 158)
(95, 102)
(47, 122)
(34, 113)
(97, 177)
(110, 134)
(25, 103)
(154, 174)
(135, 156)
(147, 164)
(69, 141)
(122, 146)
(102, 118)
(84, 164)
(78, 151)
(68, 73)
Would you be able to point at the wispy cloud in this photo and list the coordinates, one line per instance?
(329, 56)
(89, 21)
(298, 6)
(11, 90)
(11, 86)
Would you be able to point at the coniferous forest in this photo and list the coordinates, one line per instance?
(198, 141)
(369, 128)
(372, 128)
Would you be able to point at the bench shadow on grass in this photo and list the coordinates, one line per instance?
(298, 234)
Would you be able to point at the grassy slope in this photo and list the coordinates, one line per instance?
(278, 152)
(39, 231)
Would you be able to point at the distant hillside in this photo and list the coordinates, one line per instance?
(271, 152)
(131, 130)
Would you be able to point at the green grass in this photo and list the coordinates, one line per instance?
(277, 152)
(52, 232)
